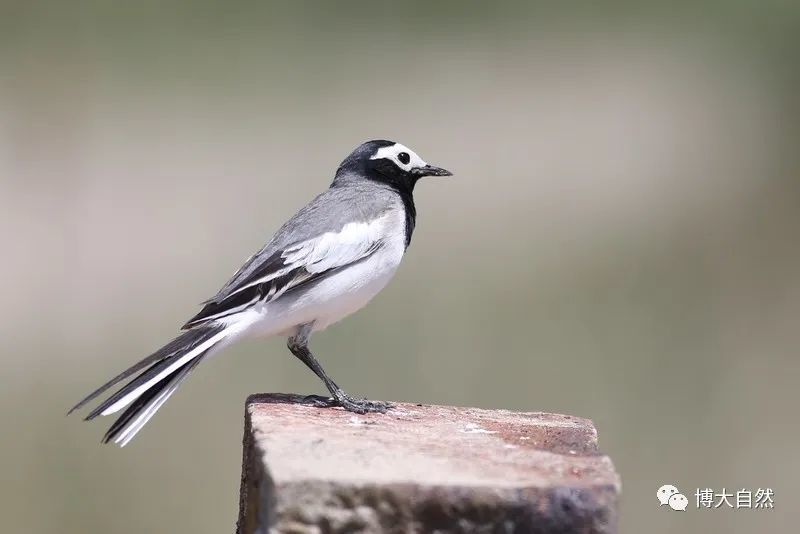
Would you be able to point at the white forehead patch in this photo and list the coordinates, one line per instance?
(393, 152)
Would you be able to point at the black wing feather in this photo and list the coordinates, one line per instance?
(217, 309)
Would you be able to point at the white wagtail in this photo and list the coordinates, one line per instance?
(323, 264)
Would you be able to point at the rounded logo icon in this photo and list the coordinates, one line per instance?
(678, 502)
(665, 492)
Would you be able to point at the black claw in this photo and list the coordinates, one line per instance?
(359, 406)
(319, 401)
(363, 406)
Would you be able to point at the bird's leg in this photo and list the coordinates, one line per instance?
(298, 345)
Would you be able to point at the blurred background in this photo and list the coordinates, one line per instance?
(620, 241)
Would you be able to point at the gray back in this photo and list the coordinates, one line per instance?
(347, 200)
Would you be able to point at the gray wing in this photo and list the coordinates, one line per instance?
(338, 228)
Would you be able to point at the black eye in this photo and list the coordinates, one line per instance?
(404, 158)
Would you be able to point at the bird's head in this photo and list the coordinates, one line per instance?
(388, 162)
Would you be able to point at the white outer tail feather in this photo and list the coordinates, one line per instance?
(133, 427)
(195, 352)
(208, 348)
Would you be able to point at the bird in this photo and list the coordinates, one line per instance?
(325, 263)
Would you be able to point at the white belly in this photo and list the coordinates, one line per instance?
(331, 299)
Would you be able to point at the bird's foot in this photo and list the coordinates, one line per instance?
(359, 406)
(362, 406)
(319, 401)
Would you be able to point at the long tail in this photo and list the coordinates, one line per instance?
(147, 391)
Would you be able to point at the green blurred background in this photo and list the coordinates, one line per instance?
(620, 241)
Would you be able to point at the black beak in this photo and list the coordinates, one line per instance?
(430, 170)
